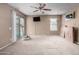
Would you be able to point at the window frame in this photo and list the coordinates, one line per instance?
(55, 23)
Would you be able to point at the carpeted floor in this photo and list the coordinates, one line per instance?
(42, 45)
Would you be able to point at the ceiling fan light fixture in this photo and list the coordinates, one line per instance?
(41, 8)
(43, 12)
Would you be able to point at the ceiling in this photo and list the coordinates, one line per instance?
(57, 8)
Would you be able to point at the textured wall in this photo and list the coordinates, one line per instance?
(5, 19)
(42, 27)
(6, 23)
(71, 22)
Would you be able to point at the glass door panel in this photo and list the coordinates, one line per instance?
(21, 27)
(18, 27)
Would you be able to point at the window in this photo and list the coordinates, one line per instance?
(53, 24)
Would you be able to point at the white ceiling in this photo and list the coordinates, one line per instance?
(57, 8)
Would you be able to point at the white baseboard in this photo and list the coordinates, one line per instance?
(6, 46)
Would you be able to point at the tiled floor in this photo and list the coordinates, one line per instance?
(42, 45)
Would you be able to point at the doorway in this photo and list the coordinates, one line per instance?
(17, 27)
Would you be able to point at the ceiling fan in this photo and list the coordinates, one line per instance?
(41, 8)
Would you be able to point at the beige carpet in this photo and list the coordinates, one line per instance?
(42, 45)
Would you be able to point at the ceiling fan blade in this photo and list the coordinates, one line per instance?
(40, 4)
(47, 9)
(35, 10)
(43, 6)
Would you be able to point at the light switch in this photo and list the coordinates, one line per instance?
(10, 28)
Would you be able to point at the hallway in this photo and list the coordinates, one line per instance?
(42, 45)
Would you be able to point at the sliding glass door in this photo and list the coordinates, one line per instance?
(21, 27)
(17, 26)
